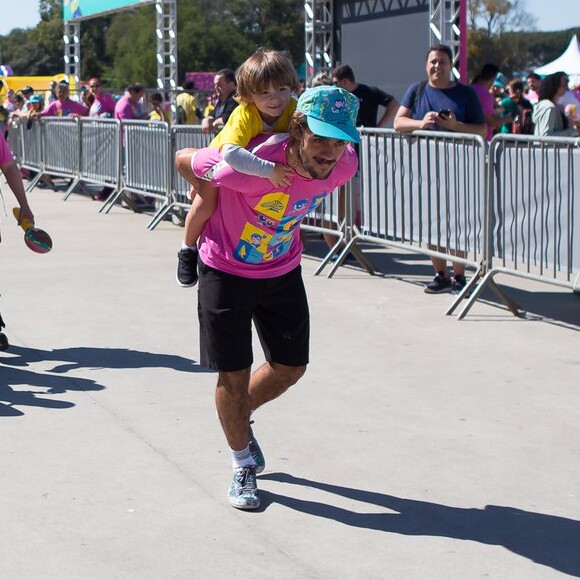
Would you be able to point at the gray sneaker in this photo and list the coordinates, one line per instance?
(243, 492)
(256, 452)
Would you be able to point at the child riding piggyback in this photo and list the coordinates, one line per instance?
(265, 83)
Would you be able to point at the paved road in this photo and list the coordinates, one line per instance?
(416, 447)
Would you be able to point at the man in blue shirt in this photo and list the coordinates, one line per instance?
(441, 104)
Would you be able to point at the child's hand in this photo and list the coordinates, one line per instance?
(193, 191)
(281, 175)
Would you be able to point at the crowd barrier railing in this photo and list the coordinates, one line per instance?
(181, 137)
(533, 213)
(146, 162)
(27, 135)
(432, 193)
(100, 153)
(423, 193)
(61, 149)
(15, 139)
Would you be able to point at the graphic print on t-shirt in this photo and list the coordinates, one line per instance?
(271, 234)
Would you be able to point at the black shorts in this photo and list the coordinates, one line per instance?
(227, 304)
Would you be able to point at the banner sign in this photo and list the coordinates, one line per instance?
(79, 9)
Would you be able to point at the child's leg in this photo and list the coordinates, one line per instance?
(202, 208)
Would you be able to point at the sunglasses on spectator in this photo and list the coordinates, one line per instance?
(94, 86)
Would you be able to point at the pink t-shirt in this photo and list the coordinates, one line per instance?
(487, 104)
(5, 153)
(58, 109)
(254, 231)
(104, 106)
(124, 109)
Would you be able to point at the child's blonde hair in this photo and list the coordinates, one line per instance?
(262, 69)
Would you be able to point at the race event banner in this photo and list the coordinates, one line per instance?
(79, 9)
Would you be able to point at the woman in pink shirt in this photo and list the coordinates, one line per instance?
(481, 85)
(64, 106)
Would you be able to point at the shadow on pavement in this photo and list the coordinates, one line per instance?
(557, 308)
(11, 398)
(101, 358)
(13, 374)
(548, 540)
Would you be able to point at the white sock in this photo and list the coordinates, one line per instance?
(242, 458)
(184, 246)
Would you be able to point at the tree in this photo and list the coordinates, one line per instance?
(211, 34)
(488, 23)
(494, 17)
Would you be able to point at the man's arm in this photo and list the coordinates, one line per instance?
(404, 123)
(390, 111)
(14, 179)
(207, 125)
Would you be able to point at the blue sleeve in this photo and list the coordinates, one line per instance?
(407, 100)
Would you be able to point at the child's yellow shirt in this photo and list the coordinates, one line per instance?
(245, 123)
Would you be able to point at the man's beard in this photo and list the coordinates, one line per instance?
(312, 168)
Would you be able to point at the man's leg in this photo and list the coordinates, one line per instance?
(459, 280)
(270, 381)
(442, 281)
(233, 407)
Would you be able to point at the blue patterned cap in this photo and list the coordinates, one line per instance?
(330, 112)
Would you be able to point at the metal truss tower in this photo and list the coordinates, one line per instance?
(319, 37)
(448, 25)
(166, 32)
(72, 50)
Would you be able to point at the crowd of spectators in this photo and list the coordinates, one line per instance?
(544, 107)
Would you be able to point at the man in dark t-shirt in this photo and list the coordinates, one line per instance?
(370, 98)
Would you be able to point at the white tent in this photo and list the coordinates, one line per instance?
(568, 62)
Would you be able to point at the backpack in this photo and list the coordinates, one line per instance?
(180, 116)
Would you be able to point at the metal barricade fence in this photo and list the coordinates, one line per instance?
(61, 146)
(424, 193)
(430, 192)
(182, 137)
(100, 158)
(15, 139)
(146, 163)
(31, 140)
(333, 219)
(534, 209)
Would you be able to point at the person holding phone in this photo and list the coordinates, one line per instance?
(441, 104)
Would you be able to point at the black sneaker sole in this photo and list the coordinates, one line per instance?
(440, 291)
(191, 285)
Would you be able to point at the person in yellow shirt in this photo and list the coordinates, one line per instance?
(266, 81)
(158, 112)
(186, 105)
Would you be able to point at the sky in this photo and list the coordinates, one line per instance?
(550, 14)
